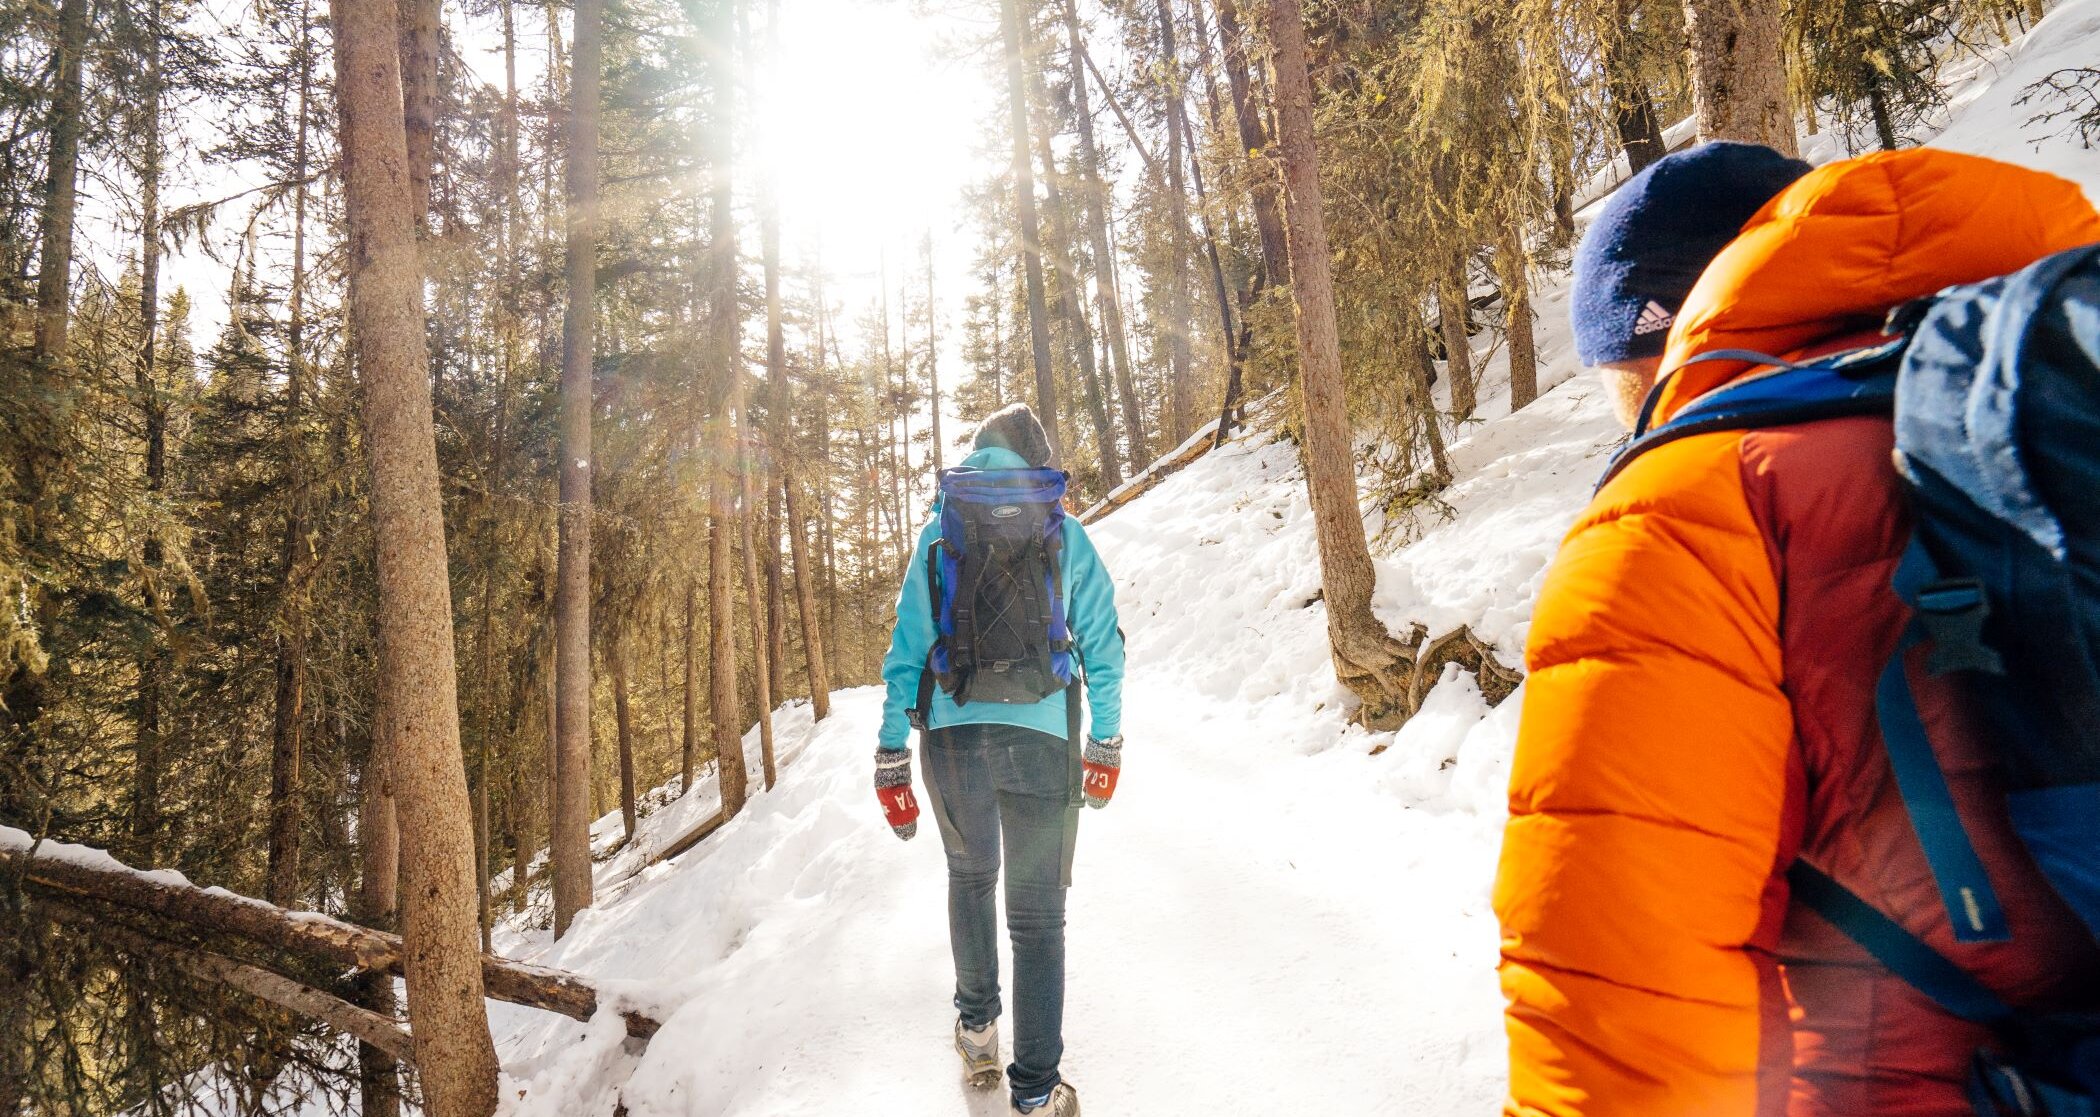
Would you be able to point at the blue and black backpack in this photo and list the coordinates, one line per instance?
(996, 586)
(1994, 389)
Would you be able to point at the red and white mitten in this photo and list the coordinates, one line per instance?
(1104, 763)
(893, 791)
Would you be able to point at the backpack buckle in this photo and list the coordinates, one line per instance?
(1952, 611)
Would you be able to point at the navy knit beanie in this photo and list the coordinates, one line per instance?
(1655, 235)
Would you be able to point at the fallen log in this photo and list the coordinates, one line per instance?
(1179, 459)
(691, 838)
(364, 1025)
(83, 874)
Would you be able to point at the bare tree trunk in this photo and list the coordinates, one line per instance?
(1181, 383)
(761, 666)
(1067, 307)
(62, 181)
(724, 318)
(1454, 314)
(1097, 225)
(1366, 659)
(153, 426)
(1097, 198)
(571, 854)
(933, 360)
(806, 605)
(417, 24)
(1011, 23)
(416, 669)
(288, 722)
(1261, 178)
(1513, 266)
(623, 721)
(690, 741)
(1739, 73)
(1632, 109)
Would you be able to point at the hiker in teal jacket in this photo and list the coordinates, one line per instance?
(1002, 774)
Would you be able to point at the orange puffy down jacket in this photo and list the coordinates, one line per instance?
(1700, 712)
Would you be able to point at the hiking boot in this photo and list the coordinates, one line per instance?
(1060, 1102)
(979, 1048)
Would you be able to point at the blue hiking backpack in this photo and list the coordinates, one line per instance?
(1994, 389)
(995, 579)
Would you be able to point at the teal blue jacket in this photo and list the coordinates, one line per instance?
(1090, 610)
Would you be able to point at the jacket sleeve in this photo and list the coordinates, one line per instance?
(1091, 612)
(1653, 805)
(911, 641)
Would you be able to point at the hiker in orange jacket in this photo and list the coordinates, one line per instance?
(1699, 712)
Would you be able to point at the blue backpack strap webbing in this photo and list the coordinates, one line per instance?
(1854, 382)
(1965, 887)
(1902, 953)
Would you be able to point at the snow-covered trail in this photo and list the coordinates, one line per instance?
(1268, 918)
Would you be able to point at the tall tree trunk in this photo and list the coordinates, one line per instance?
(287, 742)
(153, 426)
(416, 31)
(416, 676)
(1181, 382)
(786, 486)
(623, 722)
(62, 181)
(1097, 198)
(933, 359)
(1012, 22)
(1254, 141)
(571, 855)
(1739, 73)
(1454, 314)
(1514, 265)
(724, 315)
(689, 742)
(806, 606)
(1366, 659)
(774, 458)
(1059, 247)
(1632, 108)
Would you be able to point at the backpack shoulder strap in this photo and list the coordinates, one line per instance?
(1902, 953)
(1854, 382)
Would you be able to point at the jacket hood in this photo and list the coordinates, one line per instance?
(1832, 254)
(994, 457)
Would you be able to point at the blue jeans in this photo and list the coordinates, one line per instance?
(985, 782)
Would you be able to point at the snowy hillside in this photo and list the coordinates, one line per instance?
(1279, 913)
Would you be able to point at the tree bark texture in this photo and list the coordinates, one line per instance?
(306, 934)
(1366, 658)
(1632, 107)
(571, 855)
(1739, 73)
(1012, 22)
(1254, 143)
(1181, 382)
(417, 676)
(623, 723)
(724, 320)
(1097, 198)
(54, 282)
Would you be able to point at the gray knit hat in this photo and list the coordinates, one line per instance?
(1015, 428)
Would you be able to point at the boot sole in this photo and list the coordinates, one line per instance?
(979, 1077)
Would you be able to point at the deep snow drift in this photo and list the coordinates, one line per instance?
(1269, 918)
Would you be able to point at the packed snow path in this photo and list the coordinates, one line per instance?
(1269, 918)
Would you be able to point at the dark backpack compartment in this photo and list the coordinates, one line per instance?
(996, 586)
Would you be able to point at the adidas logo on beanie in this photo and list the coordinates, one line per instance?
(1653, 317)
